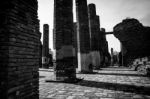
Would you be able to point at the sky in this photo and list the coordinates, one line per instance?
(111, 12)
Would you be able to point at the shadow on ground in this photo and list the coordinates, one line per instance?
(120, 74)
(116, 69)
(116, 86)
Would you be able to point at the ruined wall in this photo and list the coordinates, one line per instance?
(63, 32)
(83, 36)
(19, 49)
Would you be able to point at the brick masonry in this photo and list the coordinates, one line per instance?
(75, 44)
(19, 51)
(83, 36)
(45, 49)
(63, 38)
(104, 48)
(94, 28)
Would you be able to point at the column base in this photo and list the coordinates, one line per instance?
(86, 72)
(46, 66)
(71, 80)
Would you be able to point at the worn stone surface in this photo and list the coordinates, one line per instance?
(19, 49)
(63, 32)
(83, 36)
(108, 83)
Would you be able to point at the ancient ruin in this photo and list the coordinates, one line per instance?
(112, 55)
(128, 32)
(63, 31)
(105, 57)
(80, 45)
(75, 44)
(94, 28)
(19, 49)
(45, 48)
(83, 37)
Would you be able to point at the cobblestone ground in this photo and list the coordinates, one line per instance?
(108, 83)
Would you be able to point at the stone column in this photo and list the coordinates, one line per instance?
(75, 44)
(19, 49)
(104, 48)
(98, 31)
(94, 26)
(63, 32)
(83, 37)
(45, 49)
(112, 57)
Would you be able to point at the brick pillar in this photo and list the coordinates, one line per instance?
(94, 26)
(104, 48)
(19, 49)
(112, 56)
(75, 44)
(83, 37)
(45, 49)
(63, 32)
(98, 31)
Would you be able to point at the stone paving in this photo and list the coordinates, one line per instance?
(108, 83)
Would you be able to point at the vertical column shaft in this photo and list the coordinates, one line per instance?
(94, 28)
(75, 44)
(82, 26)
(112, 56)
(45, 50)
(63, 32)
(83, 36)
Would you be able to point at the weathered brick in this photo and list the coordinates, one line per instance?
(19, 51)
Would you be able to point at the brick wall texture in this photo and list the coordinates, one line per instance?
(19, 49)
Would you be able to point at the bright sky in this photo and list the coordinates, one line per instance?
(111, 12)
